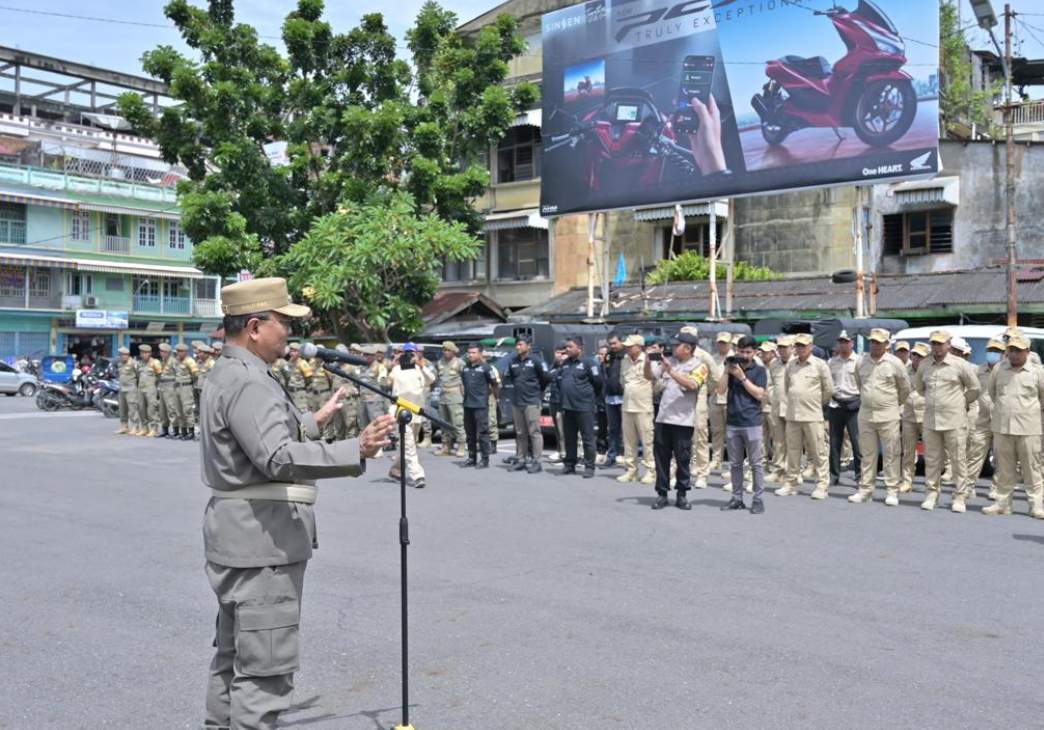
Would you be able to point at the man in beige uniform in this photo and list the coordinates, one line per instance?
(777, 471)
(260, 458)
(980, 437)
(451, 398)
(902, 351)
(128, 373)
(700, 463)
(637, 412)
(168, 393)
(767, 356)
(723, 348)
(1016, 389)
(809, 387)
(949, 386)
(185, 370)
(883, 388)
(149, 373)
(912, 419)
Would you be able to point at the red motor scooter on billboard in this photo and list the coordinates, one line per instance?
(865, 89)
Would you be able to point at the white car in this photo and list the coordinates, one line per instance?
(976, 335)
(15, 382)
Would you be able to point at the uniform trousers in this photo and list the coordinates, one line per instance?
(529, 440)
(778, 427)
(699, 465)
(347, 419)
(749, 443)
(717, 432)
(370, 410)
(911, 431)
(578, 422)
(129, 407)
(414, 470)
(476, 428)
(638, 429)
(979, 442)
(671, 441)
(1024, 451)
(806, 436)
(844, 419)
(149, 408)
(452, 413)
(884, 439)
(945, 446)
(252, 674)
(614, 422)
(170, 406)
(187, 405)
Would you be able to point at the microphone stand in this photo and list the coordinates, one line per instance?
(404, 413)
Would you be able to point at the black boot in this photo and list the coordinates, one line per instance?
(186, 433)
(733, 504)
(661, 501)
(518, 465)
(472, 460)
(165, 433)
(681, 502)
(483, 463)
(533, 467)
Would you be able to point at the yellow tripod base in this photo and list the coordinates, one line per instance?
(404, 727)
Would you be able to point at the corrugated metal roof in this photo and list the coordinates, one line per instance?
(956, 291)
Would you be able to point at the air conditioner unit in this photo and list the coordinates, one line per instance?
(90, 302)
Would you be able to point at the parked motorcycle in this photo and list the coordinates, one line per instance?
(865, 89)
(107, 395)
(77, 394)
(625, 140)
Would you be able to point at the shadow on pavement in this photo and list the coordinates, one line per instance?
(1039, 539)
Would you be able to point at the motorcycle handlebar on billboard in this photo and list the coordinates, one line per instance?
(652, 102)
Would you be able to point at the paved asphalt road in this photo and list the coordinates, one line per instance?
(537, 602)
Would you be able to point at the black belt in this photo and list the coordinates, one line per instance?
(296, 388)
(166, 380)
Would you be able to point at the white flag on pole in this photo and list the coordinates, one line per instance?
(679, 221)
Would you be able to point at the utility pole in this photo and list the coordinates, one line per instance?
(857, 232)
(713, 311)
(1013, 298)
(730, 253)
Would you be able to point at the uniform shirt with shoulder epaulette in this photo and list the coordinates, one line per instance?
(1017, 395)
(913, 409)
(809, 387)
(777, 369)
(298, 374)
(478, 380)
(528, 376)
(185, 371)
(949, 386)
(883, 387)
(451, 390)
(149, 374)
(204, 370)
(169, 370)
(580, 383)
(129, 375)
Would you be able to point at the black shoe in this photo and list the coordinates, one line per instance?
(757, 507)
(165, 433)
(733, 504)
(835, 482)
(567, 470)
(681, 502)
(186, 434)
(661, 501)
(510, 460)
(484, 464)
(534, 467)
(589, 472)
(419, 484)
(518, 465)
(472, 461)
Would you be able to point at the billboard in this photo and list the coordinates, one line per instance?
(650, 102)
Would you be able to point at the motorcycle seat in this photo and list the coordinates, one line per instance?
(815, 67)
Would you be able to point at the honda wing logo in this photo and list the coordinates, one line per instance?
(921, 162)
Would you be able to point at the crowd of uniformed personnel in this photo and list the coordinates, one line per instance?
(819, 413)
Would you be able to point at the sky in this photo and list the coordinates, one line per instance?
(120, 46)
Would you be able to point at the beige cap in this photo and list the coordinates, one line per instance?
(785, 341)
(633, 340)
(355, 347)
(196, 344)
(920, 349)
(341, 347)
(260, 295)
(164, 347)
(724, 337)
(123, 351)
(1012, 332)
(902, 345)
(144, 348)
(218, 345)
(803, 338)
(691, 330)
(878, 334)
(940, 336)
(844, 336)
(295, 346)
(451, 346)
(768, 347)
(1018, 342)
(181, 347)
(996, 344)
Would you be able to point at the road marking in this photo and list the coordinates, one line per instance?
(59, 414)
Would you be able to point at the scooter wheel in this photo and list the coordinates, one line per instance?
(774, 133)
(885, 112)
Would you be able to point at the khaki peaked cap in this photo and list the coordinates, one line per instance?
(261, 295)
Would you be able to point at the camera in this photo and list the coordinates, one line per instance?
(733, 360)
(406, 360)
(655, 356)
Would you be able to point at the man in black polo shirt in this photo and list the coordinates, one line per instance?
(580, 383)
(529, 376)
(745, 382)
(478, 379)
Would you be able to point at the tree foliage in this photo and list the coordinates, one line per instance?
(362, 128)
(691, 266)
(959, 103)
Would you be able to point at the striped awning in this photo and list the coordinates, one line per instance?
(527, 218)
(171, 214)
(25, 197)
(721, 210)
(937, 191)
(39, 260)
(114, 267)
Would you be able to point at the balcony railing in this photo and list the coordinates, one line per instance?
(1030, 112)
(206, 308)
(115, 244)
(57, 180)
(35, 301)
(152, 304)
(12, 231)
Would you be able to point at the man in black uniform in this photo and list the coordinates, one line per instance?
(529, 376)
(478, 378)
(614, 393)
(580, 383)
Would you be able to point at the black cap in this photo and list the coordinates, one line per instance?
(686, 338)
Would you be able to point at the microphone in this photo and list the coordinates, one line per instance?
(308, 351)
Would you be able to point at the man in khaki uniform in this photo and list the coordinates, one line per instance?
(320, 388)
(185, 370)
(149, 370)
(767, 356)
(1016, 390)
(902, 351)
(346, 421)
(980, 437)
(777, 471)
(371, 405)
(170, 415)
(723, 348)
(912, 419)
(809, 387)
(949, 386)
(700, 463)
(297, 374)
(451, 398)
(637, 412)
(205, 362)
(260, 457)
(128, 371)
(883, 388)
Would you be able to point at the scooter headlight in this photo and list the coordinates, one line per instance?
(885, 42)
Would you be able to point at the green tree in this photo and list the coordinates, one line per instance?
(959, 104)
(361, 126)
(691, 266)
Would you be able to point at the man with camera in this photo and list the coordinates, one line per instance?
(744, 383)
